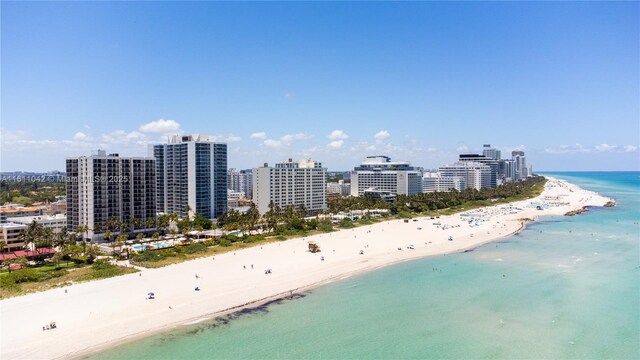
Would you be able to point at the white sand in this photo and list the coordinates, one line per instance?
(99, 314)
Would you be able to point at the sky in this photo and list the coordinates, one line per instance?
(334, 82)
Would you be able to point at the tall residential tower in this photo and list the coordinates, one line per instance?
(191, 174)
(103, 188)
(291, 183)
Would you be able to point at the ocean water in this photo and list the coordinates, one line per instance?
(566, 287)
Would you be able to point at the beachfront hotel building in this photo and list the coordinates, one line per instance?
(476, 175)
(191, 174)
(491, 163)
(435, 182)
(102, 187)
(291, 183)
(380, 173)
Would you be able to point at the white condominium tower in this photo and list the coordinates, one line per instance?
(476, 175)
(380, 173)
(521, 169)
(241, 181)
(103, 188)
(191, 174)
(434, 182)
(291, 184)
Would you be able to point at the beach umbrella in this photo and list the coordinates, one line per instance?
(151, 294)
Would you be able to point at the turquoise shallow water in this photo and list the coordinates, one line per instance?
(567, 287)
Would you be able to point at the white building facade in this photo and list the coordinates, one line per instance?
(380, 173)
(435, 182)
(475, 175)
(291, 183)
(53, 222)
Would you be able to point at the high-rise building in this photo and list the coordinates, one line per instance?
(490, 152)
(493, 165)
(340, 187)
(435, 182)
(291, 183)
(240, 181)
(380, 173)
(507, 170)
(191, 174)
(476, 175)
(248, 181)
(101, 188)
(520, 164)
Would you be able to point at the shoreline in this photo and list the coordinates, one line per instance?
(240, 288)
(285, 295)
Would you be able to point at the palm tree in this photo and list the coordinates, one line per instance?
(107, 235)
(120, 241)
(83, 229)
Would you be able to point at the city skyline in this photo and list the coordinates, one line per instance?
(419, 82)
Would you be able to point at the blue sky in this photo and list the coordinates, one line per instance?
(331, 81)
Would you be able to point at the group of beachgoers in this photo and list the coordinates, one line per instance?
(50, 326)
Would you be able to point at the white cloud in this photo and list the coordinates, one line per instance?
(295, 137)
(123, 137)
(578, 148)
(8, 136)
(225, 138)
(605, 147)
(431, 149)
(272, 143)
(289, 95)
(338, 135)
(79, 136)
(161, 126)
(363, 147)
(381, 135)
(259, 135)
(336, 144)
(463, 148)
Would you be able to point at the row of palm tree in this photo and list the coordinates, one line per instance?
(293, 217)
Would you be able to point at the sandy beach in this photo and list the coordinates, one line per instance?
(96, 315)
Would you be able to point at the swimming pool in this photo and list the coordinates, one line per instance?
(153, 245)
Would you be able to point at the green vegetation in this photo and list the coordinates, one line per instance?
(102, 269)
(47, 276)
(227, 243)
(29, 192)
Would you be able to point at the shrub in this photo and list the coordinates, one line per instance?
(101, 264)
(195, 248)
(346, 223)
(325, 226)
